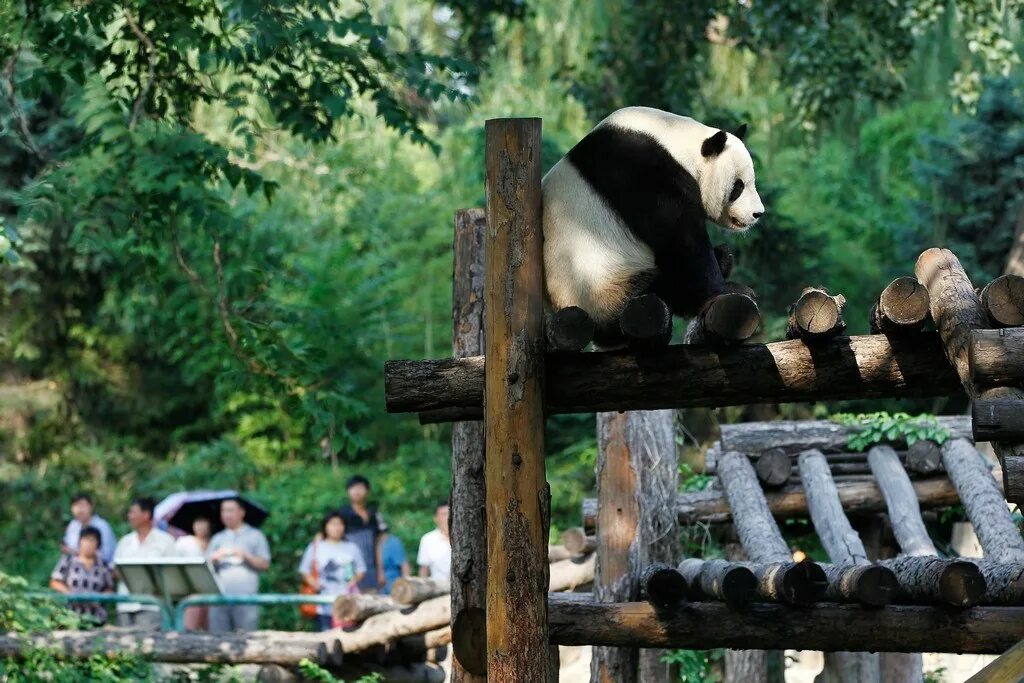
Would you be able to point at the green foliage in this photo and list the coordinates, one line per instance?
(312, 671)
(695, 666)
(882, 427)
(972, 183)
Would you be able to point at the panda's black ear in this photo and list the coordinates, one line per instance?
(714, 145)
(741, 132)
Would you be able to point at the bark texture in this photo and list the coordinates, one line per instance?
(637, 475)
(468, 498)
(730, 582)
(517, 496)
(997, 356)
(858, 496)
(997, 532)
(689, 375)
(704, 625)
(957, 311)
(412, 590)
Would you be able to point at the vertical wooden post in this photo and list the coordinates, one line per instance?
(637, 478)
(468, 513)
(517, 494)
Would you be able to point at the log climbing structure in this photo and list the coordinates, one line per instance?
(506, 624)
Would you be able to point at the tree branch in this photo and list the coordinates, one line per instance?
(23, 131)
(139, 107)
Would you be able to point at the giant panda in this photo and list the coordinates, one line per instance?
(624, 214)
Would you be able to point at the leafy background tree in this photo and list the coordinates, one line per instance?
(224, 215)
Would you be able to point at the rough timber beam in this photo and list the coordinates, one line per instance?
(685, 376)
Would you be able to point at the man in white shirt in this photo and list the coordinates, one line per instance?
(435, 553)
(145, 542)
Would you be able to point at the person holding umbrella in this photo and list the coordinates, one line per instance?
(239, 554)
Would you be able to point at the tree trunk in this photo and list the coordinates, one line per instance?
(468, 496)
(871, 366)
(746, 666)
(773, 468)
(636, 453)
(517, 494)
(752, 517)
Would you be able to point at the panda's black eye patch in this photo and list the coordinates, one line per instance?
(737, 190)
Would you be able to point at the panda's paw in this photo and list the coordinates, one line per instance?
(646, 320)
(569, 329)
(726, 259)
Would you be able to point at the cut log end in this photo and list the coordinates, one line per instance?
(469, 640)
(646, 319)
(998, 418)
(876, 586)
(569, 329)
(577, 542)
(804, 583)
(816, 315)
(1003, 300)
(903, 306)
(924, 457)
(663, 585)
(738, 586)
(774, 468)
(962, 584)
(729, 318)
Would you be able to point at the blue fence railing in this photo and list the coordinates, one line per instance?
(173, 617)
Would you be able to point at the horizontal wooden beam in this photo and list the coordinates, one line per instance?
(857, 496)
(684, 376)
(996, 357)
(767, 626)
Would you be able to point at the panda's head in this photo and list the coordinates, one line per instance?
(725, 174)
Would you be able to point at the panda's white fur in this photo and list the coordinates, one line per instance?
(591, 252)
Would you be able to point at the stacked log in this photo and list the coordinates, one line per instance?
(858, 496)
(924, 577)
(902, 308)
(420, 611)
(957, 312)
(1003, 301)
(816, 316)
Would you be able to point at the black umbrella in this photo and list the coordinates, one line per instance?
(182, 509)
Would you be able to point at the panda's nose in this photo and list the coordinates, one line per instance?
(758, 214)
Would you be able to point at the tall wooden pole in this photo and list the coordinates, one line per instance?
(468, 513)
(517, 494)
(637, 478)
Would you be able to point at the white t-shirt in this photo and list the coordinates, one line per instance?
(188, 546)
(436, 554)
(157, 544)
(336, 564)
